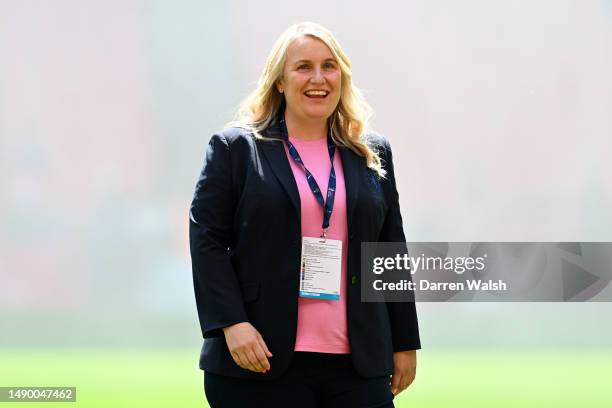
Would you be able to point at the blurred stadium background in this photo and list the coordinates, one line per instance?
(498, 113)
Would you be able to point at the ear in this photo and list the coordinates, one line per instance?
(280, 87)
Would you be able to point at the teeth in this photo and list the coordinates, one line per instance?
(317, 93)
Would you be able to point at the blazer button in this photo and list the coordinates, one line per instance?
(353, 280)
(351, 237)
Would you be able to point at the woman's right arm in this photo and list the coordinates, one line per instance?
(217, 290)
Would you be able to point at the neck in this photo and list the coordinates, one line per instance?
(306, 130)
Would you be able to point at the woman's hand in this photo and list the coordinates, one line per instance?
(404, 371)
(247, 347)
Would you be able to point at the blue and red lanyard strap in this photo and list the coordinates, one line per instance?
(328, 204)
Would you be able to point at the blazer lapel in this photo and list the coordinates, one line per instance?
(274, 151)
(351, 166)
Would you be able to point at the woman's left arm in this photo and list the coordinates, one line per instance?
(402, 315)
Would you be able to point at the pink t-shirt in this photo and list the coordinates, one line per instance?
(322, 325)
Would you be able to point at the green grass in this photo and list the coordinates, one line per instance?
(167, 378)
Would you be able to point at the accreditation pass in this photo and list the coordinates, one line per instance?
(321, 268)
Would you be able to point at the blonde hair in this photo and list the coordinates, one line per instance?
(348, 122)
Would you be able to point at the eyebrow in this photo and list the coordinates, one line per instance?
(305, 60)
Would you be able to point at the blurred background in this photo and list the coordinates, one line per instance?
(499, 114)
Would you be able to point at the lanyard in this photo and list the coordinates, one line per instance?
(328, 204)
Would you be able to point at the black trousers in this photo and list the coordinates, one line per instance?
(314, 380)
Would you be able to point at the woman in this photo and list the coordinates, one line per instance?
(295, 178)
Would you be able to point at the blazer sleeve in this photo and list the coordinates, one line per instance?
(402, 315)
(217, 290)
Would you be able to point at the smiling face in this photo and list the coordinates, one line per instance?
(311, 81)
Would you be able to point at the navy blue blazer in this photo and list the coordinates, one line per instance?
(245, 240)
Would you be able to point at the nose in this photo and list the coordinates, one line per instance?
(317, 76)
